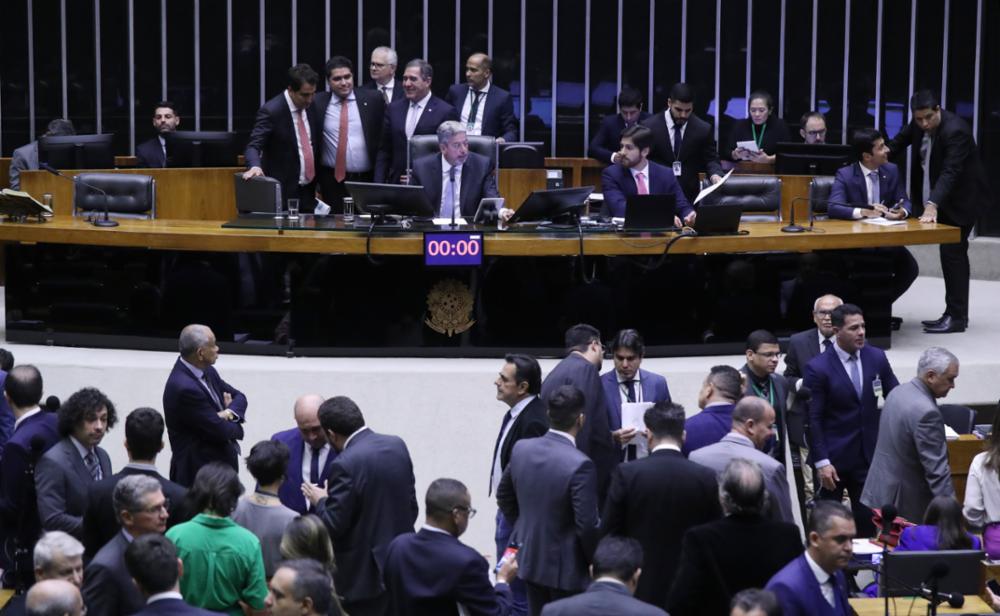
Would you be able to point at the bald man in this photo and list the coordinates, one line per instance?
(484, 108)
(54, 597)
(312, 455)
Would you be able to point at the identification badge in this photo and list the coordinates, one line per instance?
(877, 386)
(678, 170)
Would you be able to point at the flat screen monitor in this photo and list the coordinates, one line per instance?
(552, 205)
(186, 148)
(77, 151)
(390, 199)
(962, 569)
(811, 158)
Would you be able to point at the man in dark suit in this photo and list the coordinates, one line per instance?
(483, 107)
(301, 588)
(432, 573)
(382, 70)
(311, 455)
(549, 492)
(69, 469)
(54, 597)
(633, 174)
(712, 566)
(604, 146)
(720, 390)
(153, 152)
(204, 413)
(141, 509)
(143, 441)
(581, 369)
(814, 584)
(370, 499)
(25, 158)
(763, 355)
(683, 142)
(285, 141)
(6, 414)
(456, 174)
(846, 382)
(950, 181)
(656, 499)
(420, 113)
(153, 564)
(359, 113)
(628, 382)
(617, 569)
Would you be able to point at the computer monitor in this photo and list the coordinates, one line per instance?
(188, 148)
(560, 204)
(962, 571)
(77, 151)
(382, 200)
(812, 158)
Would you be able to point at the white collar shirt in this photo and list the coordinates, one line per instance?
(295, 111)
(357, 150)
(474, 126)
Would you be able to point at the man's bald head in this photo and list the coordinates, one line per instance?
(307, 419)
(53, 598)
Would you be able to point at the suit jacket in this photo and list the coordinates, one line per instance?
(601, 599)
(107, 585)
(549, 494)
(531, 422)
(397, 89)
(735, 445)
(655, 500)
(100, 522)
(274, 148)
(799, 595)
(842, 427)
(428, 573)
(777, 448)
(594, 438)
(959, 185)
(618, 183)
(477, 182)
(498, 116)
(391, 160)
(802, 347)
(608, 136)
(62, 481)
(698, 152)
(910, 466)
(173, 607)
(24, 158)
(290, 491)
(150, 154)
(713, 561)
(6, 416)
(851, 186)
(654, 389)
(707, 427)
(372, 499)
(197, 434)
(924, 538)
(371, 110)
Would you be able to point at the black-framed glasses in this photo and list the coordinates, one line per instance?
(469, 510)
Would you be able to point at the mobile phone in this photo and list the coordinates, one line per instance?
(508, 554)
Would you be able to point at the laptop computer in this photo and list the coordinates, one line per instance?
(259, 195)
(650, 212)
(718, 219)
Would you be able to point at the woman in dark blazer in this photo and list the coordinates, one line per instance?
(762, 127)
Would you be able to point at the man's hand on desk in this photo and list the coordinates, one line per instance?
(877, 211)
(930, 213)
(716, 178)
(689, 219)
(505, 213)
(253, 172)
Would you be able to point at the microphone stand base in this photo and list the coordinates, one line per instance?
(105, 223)
(793, 229)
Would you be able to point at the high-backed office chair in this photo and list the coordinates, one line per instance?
(128, 195)
(422, 145)
(521, 156)
(962, 419)
(819, 193)
(758, 195)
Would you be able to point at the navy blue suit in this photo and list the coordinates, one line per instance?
(6, 416)
(618, 183)
(477, 181)
(391, 160)
(197, 434)
(149, 154)
(851, 186)
(498, 116)
(173, 607)
(290, 491)
(799, 594)
(608, 136)
(707, 427)
(427, 573)
(654, 389)
(601, 599)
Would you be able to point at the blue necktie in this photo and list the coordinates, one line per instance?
(855, 374)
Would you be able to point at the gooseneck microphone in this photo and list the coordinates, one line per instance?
(889, 513)
(97, 222)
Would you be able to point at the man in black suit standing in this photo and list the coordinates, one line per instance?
(420, 113)
(949, 180)
(153, 152)
(383, 73)
(684, 142)
(369, 500)
(352, 123)
(763, 355)
(153, 564)
(605, 144)
(656, 499)
(301, 588)
(285, 140)
(483, 107)
(456, 179)
(549, 493)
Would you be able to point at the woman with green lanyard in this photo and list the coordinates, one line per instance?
(762, 128)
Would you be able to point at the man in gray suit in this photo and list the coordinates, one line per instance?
(549, 493)
(25, 158)
(753, 427)
(910, 466)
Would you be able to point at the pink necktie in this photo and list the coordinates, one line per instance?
(640, 180)
(307, 153)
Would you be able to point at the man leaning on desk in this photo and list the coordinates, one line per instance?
(456, 179)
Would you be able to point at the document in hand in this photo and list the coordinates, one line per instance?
(632, 413)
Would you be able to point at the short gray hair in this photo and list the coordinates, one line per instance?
(448, 129)
(426, 70)
(935, 359)
(192, 338)
(390, 55)
(741, 488)
(130, 491)
(54, 544)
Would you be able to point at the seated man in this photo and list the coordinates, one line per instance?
(604, 145)
(813, 127)
(633, 174)
(456, 179)
(153, 152)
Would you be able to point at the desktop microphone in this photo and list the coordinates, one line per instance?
(97, 222)
(889, 513)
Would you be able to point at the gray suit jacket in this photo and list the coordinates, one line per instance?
(108, 589)
(735, 445)
(61, 482)
(24, 158)
(910, 466)
(602, 598)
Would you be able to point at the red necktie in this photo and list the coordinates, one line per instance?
(307, 153)
(341, 163)
(640, 181)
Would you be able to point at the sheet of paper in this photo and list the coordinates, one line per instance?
(749, 146)
(447, 221)
(632, 413)
(883, 222)
(707, 191)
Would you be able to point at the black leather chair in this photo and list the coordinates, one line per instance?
(962, 419)
(758, 195)
(128, 195)
(422, 145)
(521, 156)
(819, 194)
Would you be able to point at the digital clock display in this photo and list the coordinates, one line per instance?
(453, 249)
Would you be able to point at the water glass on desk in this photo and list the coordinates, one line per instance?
(293, 209)
(348, 210)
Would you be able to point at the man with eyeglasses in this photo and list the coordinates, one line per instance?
(382, 70)
(456, 179)
(142, 509)
(430, 571)
(813, 125)
(763, 355)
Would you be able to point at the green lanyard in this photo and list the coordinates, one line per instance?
(760, 394)
(753, 130)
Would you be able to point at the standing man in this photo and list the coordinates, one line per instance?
(204, 413)
(549, 492)
(846, 382)
(153, 152)
(813, 127)
(456, 179)
(419, 114)
(311, 456)
(718, 395)
(763, 355)
(54, 597)
(285, 140)
(604, 145)
(369, 500)
(683, 142)
(383, 73)
(951, 183)
(484, 108)
(152, 562)
(301, 588)
(910, 466)
(352, 120)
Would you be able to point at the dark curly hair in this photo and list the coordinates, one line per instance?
(84, 405)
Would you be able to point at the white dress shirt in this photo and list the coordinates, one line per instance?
(645, 178)
(295, 130)
(387, 88)
(824, 579)
(413, 113)
(357, 151)
(477, 122)
(514, 412)
(670, 130)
